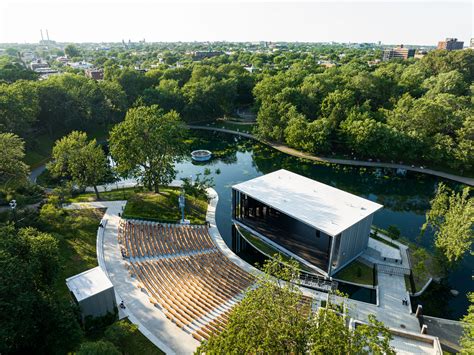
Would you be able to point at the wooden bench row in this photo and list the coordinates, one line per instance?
(193, 290)
(153, 239)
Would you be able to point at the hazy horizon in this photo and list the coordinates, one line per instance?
(411, 23)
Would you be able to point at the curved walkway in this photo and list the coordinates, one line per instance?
(391, 288)
(285, 149)
(165, 334)
(151, 322)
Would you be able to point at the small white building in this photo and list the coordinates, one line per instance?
(93, 291)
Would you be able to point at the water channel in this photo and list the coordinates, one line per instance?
(405, 199)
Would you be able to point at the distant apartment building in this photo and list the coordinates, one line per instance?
(450, 44)
(472, 43)
(400, 52)
(63, 59)
(45, 73)
(38, 64)
(96, 74)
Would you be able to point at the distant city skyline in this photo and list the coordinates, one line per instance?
(410, 23)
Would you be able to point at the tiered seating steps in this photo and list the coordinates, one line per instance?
(184, 273)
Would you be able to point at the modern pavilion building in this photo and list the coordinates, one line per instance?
(321, 226)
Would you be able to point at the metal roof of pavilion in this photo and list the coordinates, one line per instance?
(321, 206)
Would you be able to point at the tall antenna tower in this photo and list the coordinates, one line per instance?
(41, 31)
(47, 34)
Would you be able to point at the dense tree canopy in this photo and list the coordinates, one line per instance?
(274, 318)
(420, 109)
(72, 51)
(13, 70)
(451, 217)
(467, 340)
(146, 144)
(32, 318)
(419, 112)
(84, 162)
(13, 171)
(19, 107)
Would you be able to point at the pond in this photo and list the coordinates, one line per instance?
(405, 198)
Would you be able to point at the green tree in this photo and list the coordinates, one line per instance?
(13, 171)
(167, 95)
(393, 232)
(451, 217)
(275, 318)
(464, 152)
(467, 340)
(115, 100)
(99, 347)
(269, 319)
(146, 144)
(19, 107)
(329, 334)
(120, 333)
(336, 105)
(72, 51)
(449, 83)
(84, 162)
(312, 137)
(69, 102)
(133, 83)
(11, 71)
(33, 320)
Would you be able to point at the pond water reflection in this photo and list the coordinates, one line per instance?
(405, 198)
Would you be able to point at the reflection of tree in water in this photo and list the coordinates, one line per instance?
(435, 300)
(411, 192)
(223, 146)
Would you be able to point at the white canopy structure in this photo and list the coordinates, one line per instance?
(321, 206)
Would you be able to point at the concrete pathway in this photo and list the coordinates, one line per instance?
(123, 184)
(171, 339)
(149, 319)
(285, 149)
(391, 289)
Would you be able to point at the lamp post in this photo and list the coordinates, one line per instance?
(13, 207)
(181, 201)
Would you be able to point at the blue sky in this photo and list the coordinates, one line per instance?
(408, 22)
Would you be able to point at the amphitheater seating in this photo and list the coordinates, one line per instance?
(184, 274)
(146, 239)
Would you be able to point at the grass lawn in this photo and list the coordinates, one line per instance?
(139, 345)
(163, 207)
(39, 149)
(383, 240)
(424, 266)
(77, 243)
(76, 234)
(113, 195)
(357, 272)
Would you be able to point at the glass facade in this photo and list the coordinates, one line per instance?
(297, 237)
